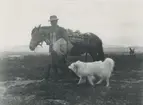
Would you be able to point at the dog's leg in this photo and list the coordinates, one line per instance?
(81, 80)
(90, 79)
(107, 82)
(99, 81)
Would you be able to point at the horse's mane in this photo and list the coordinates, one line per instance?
(33, 30)
(43, 27)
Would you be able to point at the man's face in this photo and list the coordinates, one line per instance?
(54, 22)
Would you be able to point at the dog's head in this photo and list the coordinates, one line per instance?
(74, 66)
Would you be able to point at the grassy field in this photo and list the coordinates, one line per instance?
(22, 83)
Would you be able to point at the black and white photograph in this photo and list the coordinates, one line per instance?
(71, 52)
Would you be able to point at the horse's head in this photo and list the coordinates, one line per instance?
(36, 38)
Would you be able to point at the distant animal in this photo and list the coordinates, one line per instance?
(102, 69)
(132, 51)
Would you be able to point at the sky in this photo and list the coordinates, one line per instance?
(116, 22)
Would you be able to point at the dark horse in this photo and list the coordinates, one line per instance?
(93, 44)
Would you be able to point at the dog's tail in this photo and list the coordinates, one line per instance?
(110, 63)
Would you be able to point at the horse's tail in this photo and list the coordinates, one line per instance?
(101, 52)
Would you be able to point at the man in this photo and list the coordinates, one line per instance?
(57, 32)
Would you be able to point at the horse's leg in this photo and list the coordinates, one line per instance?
(100, 51)
(97, 53)
(93, 54)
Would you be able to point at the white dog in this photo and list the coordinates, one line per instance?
(91, 69)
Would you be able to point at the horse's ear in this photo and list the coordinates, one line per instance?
(39, 26)
(33, 30)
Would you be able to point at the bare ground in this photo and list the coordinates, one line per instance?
(23, 83)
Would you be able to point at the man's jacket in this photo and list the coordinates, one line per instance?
(60, 32)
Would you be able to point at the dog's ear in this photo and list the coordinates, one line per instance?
(78, 61)
(76, 68)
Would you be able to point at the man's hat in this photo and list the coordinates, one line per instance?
(53, 17)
